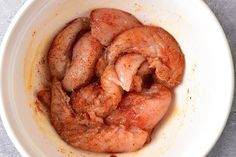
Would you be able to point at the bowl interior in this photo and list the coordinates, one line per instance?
(201, 104)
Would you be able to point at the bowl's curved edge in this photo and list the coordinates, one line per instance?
(4, 116)
(213, 142)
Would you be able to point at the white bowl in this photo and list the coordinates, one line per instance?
(202, 102)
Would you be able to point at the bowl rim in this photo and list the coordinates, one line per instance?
(4, 116)
(6, 39)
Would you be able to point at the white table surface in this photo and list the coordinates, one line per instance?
(225, 11)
